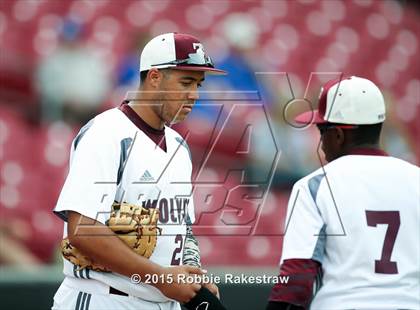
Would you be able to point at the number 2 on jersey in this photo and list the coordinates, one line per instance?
(175, 259)
(392, 219)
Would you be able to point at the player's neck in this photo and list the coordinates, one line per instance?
(145, 112)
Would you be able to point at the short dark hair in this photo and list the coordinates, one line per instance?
(366, 134)
(143, 76)
(360, 134)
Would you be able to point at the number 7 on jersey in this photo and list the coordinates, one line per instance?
(392, 219)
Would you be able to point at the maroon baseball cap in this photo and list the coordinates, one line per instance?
(176, 51)
(351, 100)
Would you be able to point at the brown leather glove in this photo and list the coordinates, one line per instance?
(135, 225)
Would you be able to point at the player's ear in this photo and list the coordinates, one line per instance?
(154, 76)
(340, 137)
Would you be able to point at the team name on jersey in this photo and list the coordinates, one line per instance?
(172, 210)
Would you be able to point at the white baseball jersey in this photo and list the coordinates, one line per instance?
(361, 221)
(113, 159)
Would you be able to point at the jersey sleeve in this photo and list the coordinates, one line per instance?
(90, 186)
(304, 228)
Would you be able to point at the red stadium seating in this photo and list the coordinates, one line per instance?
(300, 37)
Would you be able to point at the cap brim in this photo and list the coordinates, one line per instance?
(201, 68)
(310, 117)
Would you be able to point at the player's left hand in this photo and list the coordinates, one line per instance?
(212, 288)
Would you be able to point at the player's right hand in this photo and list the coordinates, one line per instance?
(180, 290)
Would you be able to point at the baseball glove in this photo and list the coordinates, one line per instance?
(134, 225)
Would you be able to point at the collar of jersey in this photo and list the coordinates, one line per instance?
(367, 151)
(138, 121)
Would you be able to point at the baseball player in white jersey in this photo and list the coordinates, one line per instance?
(129, 155)
(352, 226)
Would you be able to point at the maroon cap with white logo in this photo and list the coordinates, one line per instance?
(176, 51)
